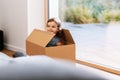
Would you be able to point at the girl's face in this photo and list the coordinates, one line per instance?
(52, 27)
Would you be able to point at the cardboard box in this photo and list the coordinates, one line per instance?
(38, 39)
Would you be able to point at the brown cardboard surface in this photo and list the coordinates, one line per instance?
(64, 52)
(68, 36)
(38, 39)
(34, 49)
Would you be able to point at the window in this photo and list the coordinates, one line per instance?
(95, 27)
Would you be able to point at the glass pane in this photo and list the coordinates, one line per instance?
(95, 27)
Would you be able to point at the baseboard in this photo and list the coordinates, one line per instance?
(14, 48)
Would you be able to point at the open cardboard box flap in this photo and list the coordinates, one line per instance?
(40, 37)
(68, 36)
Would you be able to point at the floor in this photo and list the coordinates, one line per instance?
(107, 75)
(91, 46)
(8, 52)
(97, 43)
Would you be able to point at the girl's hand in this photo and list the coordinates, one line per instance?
(59, 44)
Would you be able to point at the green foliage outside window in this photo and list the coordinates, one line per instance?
(92, 11)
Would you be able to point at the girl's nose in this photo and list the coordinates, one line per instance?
(50, 28)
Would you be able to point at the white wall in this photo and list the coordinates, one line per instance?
(35, 14)
(19, 18)
(0, 15)
(53, 8)
(14, 23)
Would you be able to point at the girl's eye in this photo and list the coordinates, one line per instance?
(53, 26)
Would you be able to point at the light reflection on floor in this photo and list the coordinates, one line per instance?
(97, 43)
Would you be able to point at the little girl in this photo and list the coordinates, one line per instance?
(53, 26)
